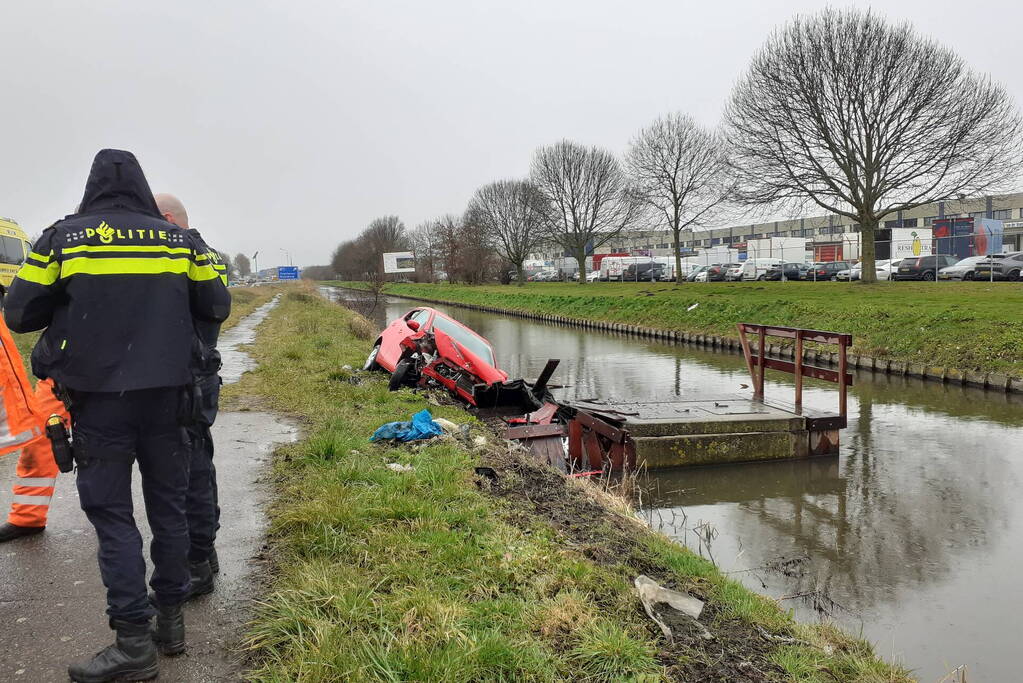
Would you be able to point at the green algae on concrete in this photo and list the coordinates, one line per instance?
(656, 452)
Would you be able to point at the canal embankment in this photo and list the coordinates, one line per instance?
(951, 332)
(398, 563)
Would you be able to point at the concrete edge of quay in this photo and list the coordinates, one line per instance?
(993, 381)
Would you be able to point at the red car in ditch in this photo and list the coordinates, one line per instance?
(424, 347)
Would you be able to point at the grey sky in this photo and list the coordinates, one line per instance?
(292, 125)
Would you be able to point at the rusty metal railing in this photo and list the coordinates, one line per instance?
(757, 362)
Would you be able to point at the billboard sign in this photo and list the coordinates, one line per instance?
(399, 262)
(908, 242)
(287, 272)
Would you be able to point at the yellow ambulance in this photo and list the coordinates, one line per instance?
(14, 247)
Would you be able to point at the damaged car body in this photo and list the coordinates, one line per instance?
(425, 348)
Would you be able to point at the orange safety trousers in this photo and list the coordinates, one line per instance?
(23, 415)
(37, 470)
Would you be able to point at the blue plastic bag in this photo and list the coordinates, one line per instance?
(421, 426)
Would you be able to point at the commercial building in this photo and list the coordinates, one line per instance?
(822, 232)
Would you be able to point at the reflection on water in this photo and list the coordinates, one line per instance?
(914, 529)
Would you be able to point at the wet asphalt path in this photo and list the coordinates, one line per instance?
(52, 600)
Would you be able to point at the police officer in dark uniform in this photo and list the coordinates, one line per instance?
(118, 290)
(202, 505)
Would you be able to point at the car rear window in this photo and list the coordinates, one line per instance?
(474, 343)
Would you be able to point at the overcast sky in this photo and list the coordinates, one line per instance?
(291, 125)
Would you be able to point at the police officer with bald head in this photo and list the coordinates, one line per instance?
(201, 505)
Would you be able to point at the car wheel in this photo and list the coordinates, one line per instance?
(761, 278)
(371, 364)
(402, 373)
(928, 277)
(1014, 276)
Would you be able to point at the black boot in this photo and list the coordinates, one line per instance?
(214, 561)
(201, 575)
(132, 657)
(9, 532)
(169, 633)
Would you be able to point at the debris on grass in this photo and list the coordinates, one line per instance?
(421, 426)
(653, 595)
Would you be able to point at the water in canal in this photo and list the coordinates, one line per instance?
(914, 532)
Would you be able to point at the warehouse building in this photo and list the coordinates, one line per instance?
(824, 233)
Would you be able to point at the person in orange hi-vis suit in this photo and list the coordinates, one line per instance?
(23, 415)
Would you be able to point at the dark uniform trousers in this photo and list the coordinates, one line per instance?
(111, 431)
(202, 502)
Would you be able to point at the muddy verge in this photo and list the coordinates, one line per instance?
(737, 654)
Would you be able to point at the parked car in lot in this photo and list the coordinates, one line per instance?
(792, 271)
(922, 267)
(688, 269)
(593, 276)
(847, 274)
(965, 269)
(696, 272)
(1008, 268)
(882, 268)
(715, 273)
(827, 270)
(425, 347)
(643, 272)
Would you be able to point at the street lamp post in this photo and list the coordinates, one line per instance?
(255, 264)
(288, 254)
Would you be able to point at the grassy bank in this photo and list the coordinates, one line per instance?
(963, 325)
(437, 574)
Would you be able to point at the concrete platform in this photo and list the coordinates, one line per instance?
(707, 431)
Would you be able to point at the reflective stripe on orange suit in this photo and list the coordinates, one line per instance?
(22, 429)
(37, 470)
(20, 421)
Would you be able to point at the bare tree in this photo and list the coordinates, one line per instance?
(478, 261)
(384, 234)
(241, 263)
(680, 172)
(226, 260)
(424, 241)
(587, 197)
(867, 119)
(510, 214)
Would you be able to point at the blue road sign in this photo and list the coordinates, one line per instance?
(287, 272)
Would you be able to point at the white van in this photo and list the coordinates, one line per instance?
(756, 268)
(612, 267)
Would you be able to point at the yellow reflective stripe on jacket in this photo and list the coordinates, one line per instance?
(40, 257)
(117, 248)
(136, 266)
(41, 276)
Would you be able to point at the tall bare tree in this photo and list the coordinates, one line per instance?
(588, 200)
(510, 213)
(241, 262)
(384, 234)
(425, 244)
(680, 171)
(866, 119)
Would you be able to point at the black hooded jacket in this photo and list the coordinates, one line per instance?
(117, 288)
